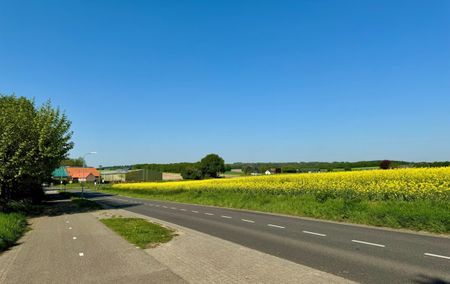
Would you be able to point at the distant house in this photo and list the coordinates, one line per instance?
(83, 174)
(273, 171)
(60, 173)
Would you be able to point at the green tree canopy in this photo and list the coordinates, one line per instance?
(33, 141)
(79, 162)
(211, 165)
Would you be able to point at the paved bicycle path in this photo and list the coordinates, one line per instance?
(77, 248)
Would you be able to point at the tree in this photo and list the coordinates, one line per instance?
(33, 141)
(385, 164)
(192, 173)
(79, 162)
(211, 165)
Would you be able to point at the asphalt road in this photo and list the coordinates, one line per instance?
(363, 254)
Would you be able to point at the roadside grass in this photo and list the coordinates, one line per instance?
(12, 227)
(139, 232)
(419, 215)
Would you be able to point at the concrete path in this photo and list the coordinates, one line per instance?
(77, 248)
(201, 258)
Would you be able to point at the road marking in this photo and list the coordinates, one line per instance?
(157, 205)
(313, 233)
(67, 222)
(164, 206)
(437, 255)
(248, 221)
(275, 226)
(173, 208)
(81, 254)
(367, 243)
(193, 211)
(210, 214)
(74, 238)
(226, 217)
(183, 209)
(70, 228)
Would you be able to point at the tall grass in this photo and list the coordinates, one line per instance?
(12, 227)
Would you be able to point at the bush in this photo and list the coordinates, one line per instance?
(192, 173)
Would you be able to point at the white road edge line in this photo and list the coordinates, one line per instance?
(437, 255)
(209, 214)
(226, 217)
(313, 233)
(193, 211)
(248, 221)
(275, 226)
(367, 243)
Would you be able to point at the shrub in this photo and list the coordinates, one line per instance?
(192, 173)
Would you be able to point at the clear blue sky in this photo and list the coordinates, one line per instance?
(169, 81)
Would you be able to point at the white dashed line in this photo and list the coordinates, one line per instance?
(193, 211)
(275, 226)
(157, 205)
(81, 254)
(183, 209)
(210, 214)
(173, 208)
(437, 255)
(226, 217)
(248, 221)
(67, 222)
(313, 233)
(74, 238)
(70, 228)
(164, 206)
(367, 243)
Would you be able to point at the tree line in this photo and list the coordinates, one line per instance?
(33, 142)
(289, 167)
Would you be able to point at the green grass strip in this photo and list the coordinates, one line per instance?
(139, 232)
(12, 227)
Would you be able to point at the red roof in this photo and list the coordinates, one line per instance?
(82, 172)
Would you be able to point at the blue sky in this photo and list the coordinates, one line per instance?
(170, 81)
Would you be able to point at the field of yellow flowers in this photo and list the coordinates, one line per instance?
(395, 184)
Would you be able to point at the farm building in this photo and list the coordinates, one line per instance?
(76, 174)
(126, 175)
(83, 174)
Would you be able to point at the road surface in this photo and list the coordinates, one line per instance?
(359, 253)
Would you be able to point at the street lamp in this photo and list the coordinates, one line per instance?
(82, 171)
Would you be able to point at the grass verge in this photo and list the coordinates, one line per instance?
(12, 227)
(420, 215)
(139, 232)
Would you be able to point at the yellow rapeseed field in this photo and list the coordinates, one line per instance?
(395, 184)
